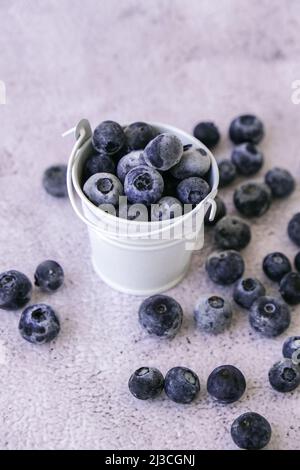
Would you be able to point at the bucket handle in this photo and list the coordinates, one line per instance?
(83, 132)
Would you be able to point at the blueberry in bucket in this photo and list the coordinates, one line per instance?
(163, 152)
(39, 324)
(49, 276)
(128, 162)
(166, 208)
(103, 188)
(143, 185)
(192, 190)
(108, 137)
(194, 162)
(55, 180)
(139, 134)
(161, 316)
(97, 163)
(15, 290)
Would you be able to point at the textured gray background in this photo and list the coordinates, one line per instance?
(167, 60)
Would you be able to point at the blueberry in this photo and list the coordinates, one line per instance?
(194, 162)
(291, 345)
(108, 137)
(166, 208)
(226, 384)
(294, 229)
(290, 288)
(49, 276)
(251, 431)
(246, 128)
(97, 163)
(213, 314)
(227, 172)
(247, 291)
(138, 212)
(139, 134)
(161, 315)
(276, 265)
(170, 184)
(103, 188)
(182, 385)
(269, 316)
(163, 152)
(15, 290)
(192, 190)
(146, 383)
(55, 180)
(225, 267)
(220, 212)
(128, 162)
(232, 233)
(143, 185)
(284, 376)
(280, 181)
(247, 159)
(252, 199)
(208, 133)
(39, 324)
(297, 261)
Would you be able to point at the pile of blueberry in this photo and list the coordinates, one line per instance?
(150, 168)
(38, 323)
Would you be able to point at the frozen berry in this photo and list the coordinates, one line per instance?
(161, 316)
(103, 188)
(227, 172)
(39, 324)
(163, 152)
(284, 376)
(139, 134)
(276, 265)
(252, 199)
(194, 162)
(143, 185)
(247, 159)
(269, 316)
(247, 291)
(182, 385)
(213, 314)
(15, 290)
(49, 276)
(146, 383)
(225, 267)
(220, 212)
(280, 181)
(291, 345)
(246, 128)
(251, 431)
(232, 233)
(290, 288)
(55, 180)
(192, 190)
(226, 384)
(108, 137)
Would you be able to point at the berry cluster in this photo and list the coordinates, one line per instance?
(38, 323)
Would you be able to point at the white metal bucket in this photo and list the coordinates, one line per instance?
(139, 262)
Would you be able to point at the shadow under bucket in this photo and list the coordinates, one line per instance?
(140, 258)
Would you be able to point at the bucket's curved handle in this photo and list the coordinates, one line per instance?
(83, 132)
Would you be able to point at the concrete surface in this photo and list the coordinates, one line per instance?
(164, 60)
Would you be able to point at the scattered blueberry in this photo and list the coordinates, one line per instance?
(284, 376)
(208, 133)
(220, 212)
(39, 324)
(297, 261)
(290, 288)
(139, 134)
(182, 385)
(163, 152)
(246, 128)
(161, 315)
(294, 229)
(166, 208)
(280, 181)
(247, 291)
(291, 345)
(213, 314)
(227, 172)
(226, 384)
(108, 138)
(128, 162)
(49, 276)
(103, 188)
(269, 316)
(252, 199)
(225, 267)
(55, 180)
(276, 265)
(97, 163)
(192, 190)
(194, 162)
(143, 185)
(15, 290)
(251, 431)
(247, 159)
(146, 383)
(232, 233)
